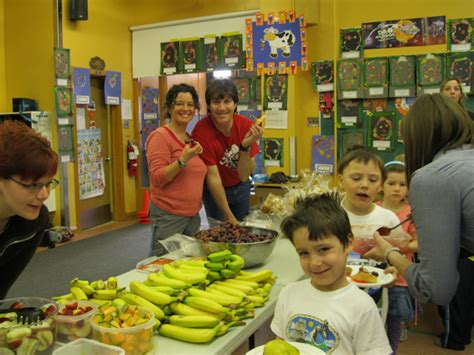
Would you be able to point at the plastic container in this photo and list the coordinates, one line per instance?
(364, 238)
(88, 347)
(28, 339)
(74, 327)
(134, 340)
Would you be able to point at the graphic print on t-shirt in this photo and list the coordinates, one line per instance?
(307, 329)
(231, 157)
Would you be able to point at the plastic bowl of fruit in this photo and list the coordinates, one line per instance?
(74, 320)
(130, 328)
(31, 337)
(254, 244)
(364, 238)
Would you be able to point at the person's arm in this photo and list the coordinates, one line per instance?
(246, 164)
(187, 154)
(214, 184)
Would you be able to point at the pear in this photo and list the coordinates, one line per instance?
(279, 347)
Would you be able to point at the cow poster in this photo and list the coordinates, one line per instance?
(278, 42)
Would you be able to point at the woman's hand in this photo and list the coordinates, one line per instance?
(252, 136)
(190, 150)
(378, 251)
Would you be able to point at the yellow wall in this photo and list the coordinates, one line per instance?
(3, 104)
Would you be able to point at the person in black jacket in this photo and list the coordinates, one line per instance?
(27, 168)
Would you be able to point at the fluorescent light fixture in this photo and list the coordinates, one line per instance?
(222, 74)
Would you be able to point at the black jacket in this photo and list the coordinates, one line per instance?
(18, 244)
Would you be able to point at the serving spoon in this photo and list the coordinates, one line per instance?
(386, 230)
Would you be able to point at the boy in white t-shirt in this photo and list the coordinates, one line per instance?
(326, 310)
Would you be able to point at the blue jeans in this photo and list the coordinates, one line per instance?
(238, 198)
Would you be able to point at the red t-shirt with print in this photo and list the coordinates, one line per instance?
(221, 150)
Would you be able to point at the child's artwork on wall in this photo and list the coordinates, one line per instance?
(459, 66)
(169, 57)
(351, 43)
(190, 60)
(460, 35)
(323, 75)
(382, 130)
(350, 78)
(272, 151)
(349, 113)
(322, 154)
(376, 77)
(243, 89)
(210, 54)
(63, 100)
(82, 86)
(350, 138)
(375, 105)
(430, 72)
(62, 66)
(402, 76)
(277, 42)
(276, 92)
(326, 104)
(231, 54)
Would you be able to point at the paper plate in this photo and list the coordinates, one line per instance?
(305, 349)
(383, 279)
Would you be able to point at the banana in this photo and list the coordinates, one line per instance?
(252, 284)
(214, 276)
(205, 304)
(78, 293)
(98, 301)
(88, 289)
(193, 268)
(120, 304)
(67, 296)
(190, 335)
(215, 266)
(160, 279)
(236, 262)
(164, 289)
(185, 310)
(133, 299)
(98, 284)
(225, 300)
(105, 294)
(257, 299)
(75, 282)
(246, 289)
(225, 327)
(194, 321)
(227, 290)
(156, 297)
(227, 274)
(112, 283)
(192, 262)
(185, 276)
(255, 276)
(219, 256)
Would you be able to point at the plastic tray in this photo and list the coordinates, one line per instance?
(88, 347)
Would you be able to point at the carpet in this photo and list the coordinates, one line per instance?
(108, 254)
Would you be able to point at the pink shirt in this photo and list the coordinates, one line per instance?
(181, 196)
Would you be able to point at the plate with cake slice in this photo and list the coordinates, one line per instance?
(367, 276)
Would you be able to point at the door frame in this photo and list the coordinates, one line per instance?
(117, 196)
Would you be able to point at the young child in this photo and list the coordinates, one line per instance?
(326, 310)
(395, 193)
(361, 173)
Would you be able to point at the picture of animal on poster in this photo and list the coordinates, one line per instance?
(276, 43)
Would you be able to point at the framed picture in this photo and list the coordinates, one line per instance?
(190, 59)
(402, 76)
(349, 113)
(272, 151)
(323, 76)
(460, 35)
(376, 77)
(169, 57)
(276, 92)
(210, 53)
(243, 89)
(430, 72)
(382, 128)
(351, 43)
(350, 78)
(231, 53)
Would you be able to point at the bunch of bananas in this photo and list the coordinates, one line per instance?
(223, 265)
(98, 291)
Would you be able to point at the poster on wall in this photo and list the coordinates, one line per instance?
(231, 55)
(459, 66)
(243, 89)
(460, 35)
(62, 66)
(382, 130)
(322, 154)
(402, 76)
(351, 43)
(420, 31)
(113, 87)
(350, 76)
(210, 55)
(349, 113)
(82, 86)
(272, 151)
(376, 77)
(90, 163)
(63, 101)
(349, 138)
(277, 43)
(323, 75)
(430, 72)
(190, 60)
(276, 92)
(169, 57)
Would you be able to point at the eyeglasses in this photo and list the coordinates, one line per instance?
(181, 104)
(38, 186)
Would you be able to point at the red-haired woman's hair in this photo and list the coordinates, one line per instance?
(25, 152)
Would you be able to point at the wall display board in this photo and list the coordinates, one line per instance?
(243, 90)
(351, 44)
(276, 43)
(190, 58)
(63, 101)
(62, 66)
(82, 86)
(460, 34)
(382, 130)
(402, 76)
(113, 88)
(210, 56)
(459, 65)
(376, 77)
(350, 75)
(322, 154)
(90, 163)
(169, 57)
(323, 76)
(272, 151)
(430, 72)
(349, 113)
